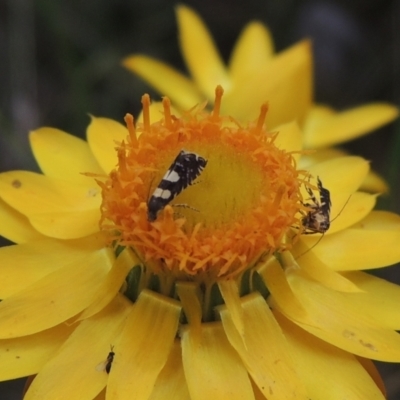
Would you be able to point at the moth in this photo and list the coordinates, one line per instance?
(107, 363)
(317, 220)
(183, 171)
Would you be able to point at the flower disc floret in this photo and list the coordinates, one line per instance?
(240, 207)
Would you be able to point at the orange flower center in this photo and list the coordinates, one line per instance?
(239, 207)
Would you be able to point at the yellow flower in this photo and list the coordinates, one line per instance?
(255, 75)
(223, 297)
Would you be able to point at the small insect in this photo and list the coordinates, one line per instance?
(106, 364)
(182, 172)
(317, 220)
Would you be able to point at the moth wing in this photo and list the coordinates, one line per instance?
(101, 367)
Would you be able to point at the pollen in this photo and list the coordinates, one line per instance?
(222, 195)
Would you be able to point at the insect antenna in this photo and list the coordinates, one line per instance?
(344, 205)
(305, 252)
(186, 206)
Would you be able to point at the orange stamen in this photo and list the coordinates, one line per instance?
(217, 103)
(262, 116)
(122, 160)
(146, 111)
(129, 121)
(167, 112)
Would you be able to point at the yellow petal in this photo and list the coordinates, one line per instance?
(335, 318)
(275, 279)
(171, 383)
(328, 372)
(200, 53)
(49, 301)
(285, 83)
(252, 51)
(373, 372)
(270, 366)
(354, 209)
(258, 395)
(75, 371)
(340, 127)
(101, 395)
(24, 264)
(15, 226)
(316, 269)
(374, 183)
(335, 175)
(317, 115)
(143, 349)
(356, 247)
(27, 355)
(380, 300)
(289, 138)
(182, 92)
(317, 156)
(54, 207)
(230, 293)
(189, 296)
(32, 193)
(67, 224)
(102, 135)
(213, 369)
(54, 151)
(112, 283)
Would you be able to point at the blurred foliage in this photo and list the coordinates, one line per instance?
(61, 61)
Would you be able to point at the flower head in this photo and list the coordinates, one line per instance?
(220, 292)
(253, 194)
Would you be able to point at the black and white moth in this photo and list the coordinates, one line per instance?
(182, 172)
(317, 220)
